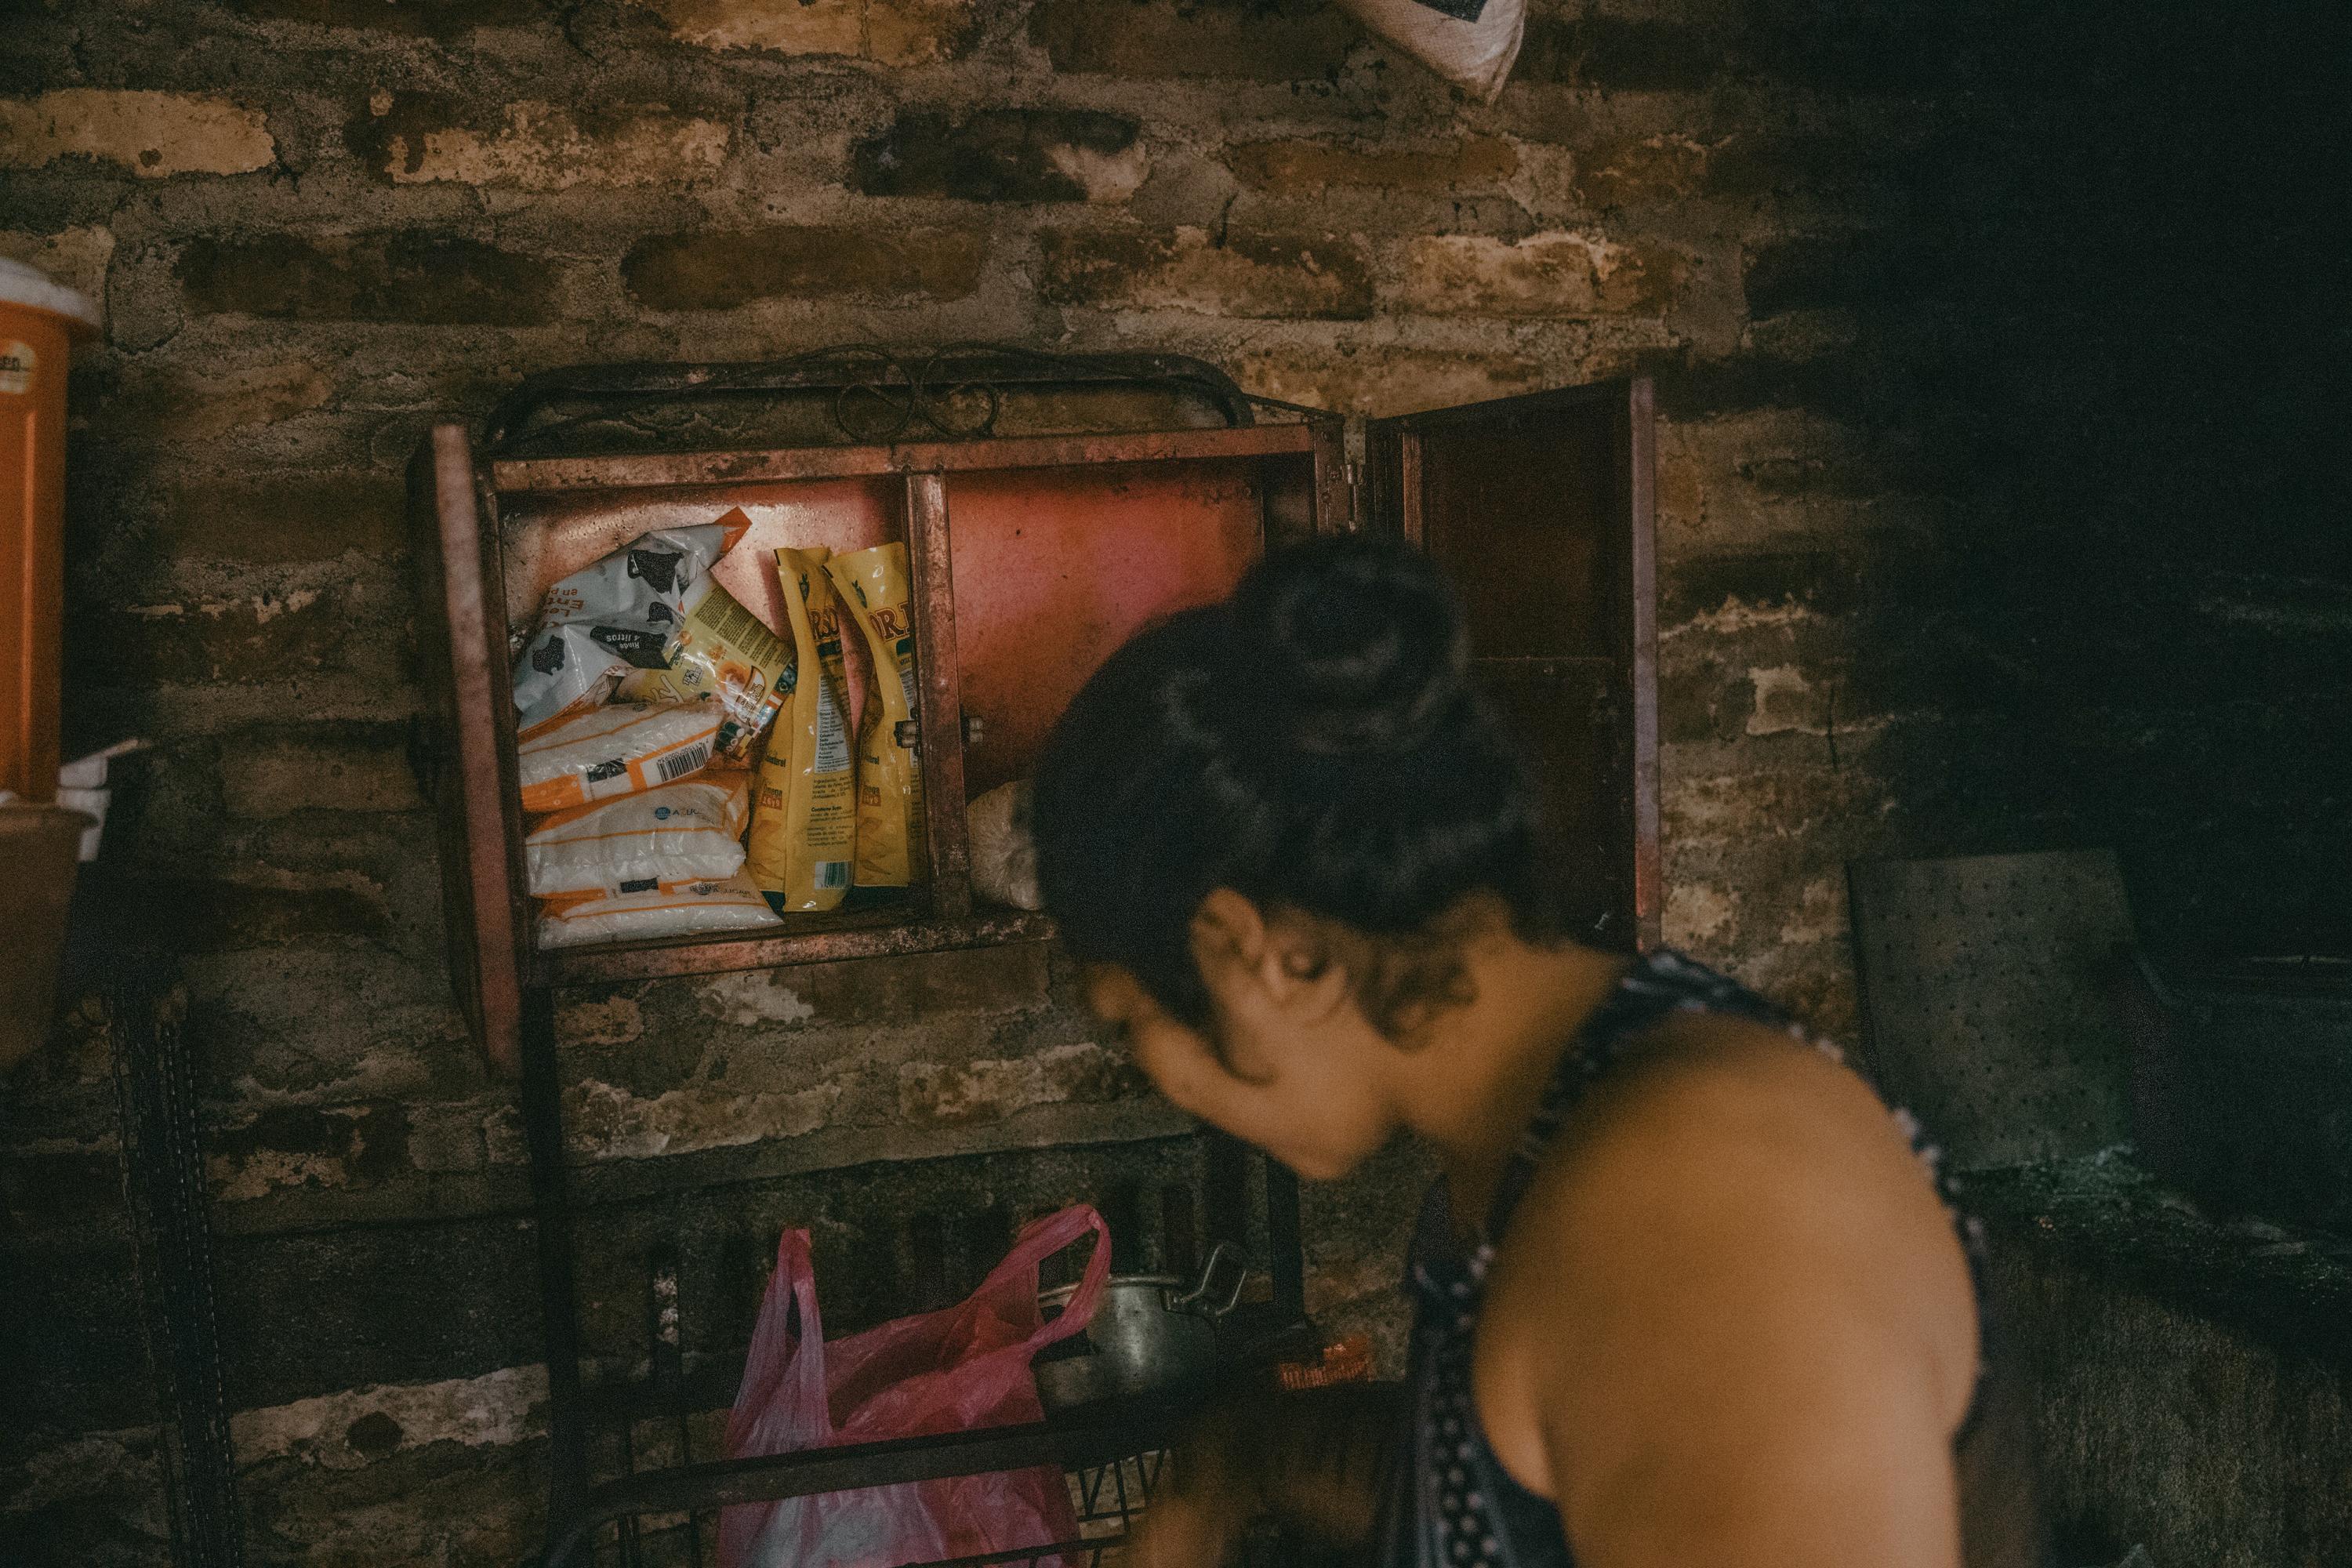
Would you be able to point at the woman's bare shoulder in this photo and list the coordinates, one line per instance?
(1707, 1088)
(1732, 1169)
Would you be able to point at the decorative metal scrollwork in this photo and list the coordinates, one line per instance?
(953, 392)
(873, 394)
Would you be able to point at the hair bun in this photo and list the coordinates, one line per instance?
(1358, 645)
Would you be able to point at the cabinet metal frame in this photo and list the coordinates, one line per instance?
(465, 747)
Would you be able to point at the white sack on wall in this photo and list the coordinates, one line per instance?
(1471, 43)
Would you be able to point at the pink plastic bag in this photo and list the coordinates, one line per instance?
(949, 1370)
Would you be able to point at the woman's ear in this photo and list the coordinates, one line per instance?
(1282, 963)
(1227, 935)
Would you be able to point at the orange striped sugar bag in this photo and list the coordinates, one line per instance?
(614, 750)
(691, 831)
(696, 908)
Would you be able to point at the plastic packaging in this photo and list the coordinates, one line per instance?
(1471, 43)
(615, 750)
(893, 850)
(721, 652)
(566, 671)
(81, 786)
(620, 614)
(805, 818)
(680, 833)
(728, 904)
(964, 1367)
(1004, 848)
(1342, 1360)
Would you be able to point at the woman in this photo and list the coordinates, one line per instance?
(1686, 1296)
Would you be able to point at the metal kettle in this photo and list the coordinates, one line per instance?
(1149, 1335)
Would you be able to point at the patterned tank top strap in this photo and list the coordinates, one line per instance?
(1655, 984)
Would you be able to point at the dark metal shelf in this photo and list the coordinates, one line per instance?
(805, 939)
(685, 469)
(1128, 1431)
(1257, 1334)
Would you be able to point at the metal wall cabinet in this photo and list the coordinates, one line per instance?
(1050, 507)
(1540, 508)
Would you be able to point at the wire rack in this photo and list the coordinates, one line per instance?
(164, 1187)
(1107, 1498)
(666, 1490)
(669, 1518)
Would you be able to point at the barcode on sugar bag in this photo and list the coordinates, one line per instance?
(618, 750)
(678, 765)
(832, 874)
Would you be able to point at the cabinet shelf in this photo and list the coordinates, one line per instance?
(1092, 1445)
(1032, 557)
(547, 476)
(1124, 1433)
(813, 938)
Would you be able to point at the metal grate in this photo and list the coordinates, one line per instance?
(1108, 1497)
(164, 1187)
(861, 393)
(652, 1430)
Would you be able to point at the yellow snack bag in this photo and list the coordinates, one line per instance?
(893, 850)
(804, 816)
(719, 651)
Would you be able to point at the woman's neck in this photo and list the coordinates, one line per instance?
(1478, 1080)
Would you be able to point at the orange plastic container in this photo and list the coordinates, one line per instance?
(38, 320)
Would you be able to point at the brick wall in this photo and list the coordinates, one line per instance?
(1936, 574)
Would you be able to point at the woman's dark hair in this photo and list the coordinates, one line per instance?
(1313, 743)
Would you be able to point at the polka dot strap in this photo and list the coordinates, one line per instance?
(1462, 1510)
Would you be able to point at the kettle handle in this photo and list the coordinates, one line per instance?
(1193, 1297)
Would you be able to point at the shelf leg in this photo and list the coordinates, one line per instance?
(1283, 1243)
(1226, 1188)
(550, 1195)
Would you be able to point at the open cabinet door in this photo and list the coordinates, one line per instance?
(464, 753)
(1539, 509)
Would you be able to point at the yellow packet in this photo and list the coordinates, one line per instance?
(805, 814)
(893, 850)
(719, 650)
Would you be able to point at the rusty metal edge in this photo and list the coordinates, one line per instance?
(940, 720)
(991, 365)
(1642, 668)
(881, 933)
(485, 778)
(1412, 525)
(1337, 509)
(672, 470)
(1610, 394)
